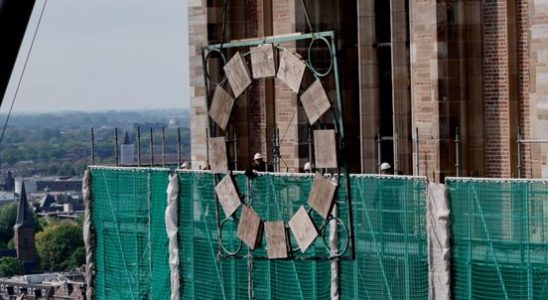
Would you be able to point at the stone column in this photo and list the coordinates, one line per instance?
(424, 84)
(368, 85)
(197, 32)
(401, 101)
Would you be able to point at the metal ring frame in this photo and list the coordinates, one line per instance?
(337, 123)
(225, 250)
(326, 243)
(309, 60)
(208, 56)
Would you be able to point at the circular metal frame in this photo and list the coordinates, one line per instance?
(322, 230)
(311, 65)
(239, 248)
(326, 243)
(208, 56)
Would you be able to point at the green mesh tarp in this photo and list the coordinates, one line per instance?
(389, 224)
(131, 243)
(391, 244)
(499, 239)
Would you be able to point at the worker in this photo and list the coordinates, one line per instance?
(258, 165)
(386, 169)
(185, 166)
(308, 167)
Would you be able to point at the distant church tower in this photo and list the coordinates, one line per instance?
(127, 151)
(24, 235)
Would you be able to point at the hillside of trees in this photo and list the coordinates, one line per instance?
(60, 144)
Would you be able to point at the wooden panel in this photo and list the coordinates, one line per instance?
(228, 195)
(321, 195)
(218, 155)
(262, 61)
(303, 229)
(325, 148)
(221, 107)
(237, 74)
(291, 70)
(315, 102)
(250, 228)
(276, 240)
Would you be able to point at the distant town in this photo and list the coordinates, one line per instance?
(42, 160)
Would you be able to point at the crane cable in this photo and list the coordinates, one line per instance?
(23, 71)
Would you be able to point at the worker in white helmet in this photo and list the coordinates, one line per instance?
(185, 166)
(259, 165)
(386, 169)
(308, 167)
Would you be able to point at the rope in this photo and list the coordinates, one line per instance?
(306, 16)
(23, 71)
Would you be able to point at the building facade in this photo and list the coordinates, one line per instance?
(434, 87)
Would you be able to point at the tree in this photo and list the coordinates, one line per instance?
(56, 245)
(8, 215)
(10, 266)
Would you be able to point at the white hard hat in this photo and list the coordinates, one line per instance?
(385, 166)
(257, 156)
(185, 165)
(308, 166)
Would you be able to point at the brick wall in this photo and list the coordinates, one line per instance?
(283, 22)
(496, 89)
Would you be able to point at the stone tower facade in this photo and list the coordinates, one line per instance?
(415, 74)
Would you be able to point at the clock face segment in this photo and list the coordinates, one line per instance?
(303, 229)
(276, 240)
(237, 74)
(261, 59)
(228, 195)
(250, 228)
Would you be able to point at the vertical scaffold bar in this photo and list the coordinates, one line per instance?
(92, 146)
(151, 148)
(116, 146)
(417, 152)
(379, 158)
(179, 162)
(457, 152)
(139, 146)
(163, 146)
(518, 147)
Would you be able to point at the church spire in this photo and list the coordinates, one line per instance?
(24, 217)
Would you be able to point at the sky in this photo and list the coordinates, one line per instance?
(97, 55)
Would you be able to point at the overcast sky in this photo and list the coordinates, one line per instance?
(96, 55)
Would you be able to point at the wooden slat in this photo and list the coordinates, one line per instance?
(250, 228)
(262, 61)
(303, 229)
(218, 155)
(325, 147)
(276, 240)
(321, 195)
(221, 107)
(228, 195)
(315, 102)
(237, 74)
(291, 70)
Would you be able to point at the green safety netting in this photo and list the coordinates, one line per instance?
(131, 243)
(499, 239)
(389, 224)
